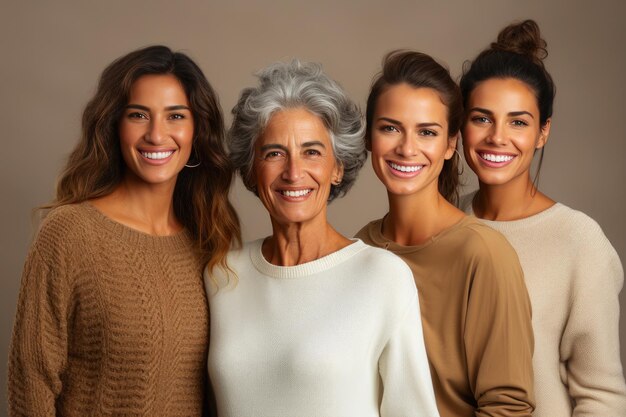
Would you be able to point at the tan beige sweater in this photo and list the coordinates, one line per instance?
(574, 277)
(110, 322)
(476, 318)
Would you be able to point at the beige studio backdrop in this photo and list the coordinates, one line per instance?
(53, 53)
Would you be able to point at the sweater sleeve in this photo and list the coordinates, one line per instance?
(590, 343)
(38, 351)
(498, 334)
(403, 367)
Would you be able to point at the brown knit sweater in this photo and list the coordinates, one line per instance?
(110, 322)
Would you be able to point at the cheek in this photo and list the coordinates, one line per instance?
(265, 174)
(127, 135)
(435, 149)
(468, 138)
(527, 144)
(380, 147)
(185, 135)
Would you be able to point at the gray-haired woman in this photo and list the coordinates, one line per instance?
(317, 324)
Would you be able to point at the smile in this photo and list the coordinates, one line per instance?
(295, 193)
(157, 155)
(495, 158)
(405, 168)
(404, 171)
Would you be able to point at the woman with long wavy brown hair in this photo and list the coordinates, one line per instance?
(112, 317)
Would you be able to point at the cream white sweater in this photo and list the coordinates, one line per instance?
(573, 276)
(340, 336)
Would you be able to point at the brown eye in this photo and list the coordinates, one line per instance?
(137, 115)
(312, 152)
(388, 128)
(428, 132)
(272, 155)
(480, 119)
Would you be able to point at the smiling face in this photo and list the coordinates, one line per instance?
(502, 131)
(156, 129)
(409, 139)
(294, 167)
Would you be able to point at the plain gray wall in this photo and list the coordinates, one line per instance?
(55, 51)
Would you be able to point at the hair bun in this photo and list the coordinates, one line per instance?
(523, 38)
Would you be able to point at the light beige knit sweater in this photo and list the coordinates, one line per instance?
(110, 322)
(574, 276)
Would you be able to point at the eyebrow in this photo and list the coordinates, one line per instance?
(284, 148)
(397, 122)
(168, 108)
(511, 114)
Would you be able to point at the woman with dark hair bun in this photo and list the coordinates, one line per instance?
(572, 272)
(474, 306)
(112, 317)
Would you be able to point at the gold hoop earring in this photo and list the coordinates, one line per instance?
(460, 170)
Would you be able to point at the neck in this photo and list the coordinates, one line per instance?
(145, 207)
(513, 200)
(416, 218)
(298, 243)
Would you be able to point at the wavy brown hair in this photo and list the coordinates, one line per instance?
(95, 166)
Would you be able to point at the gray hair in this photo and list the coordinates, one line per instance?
(292, 85)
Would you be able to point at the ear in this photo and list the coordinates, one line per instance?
(452, 141)
(543, 134)
(337, 173)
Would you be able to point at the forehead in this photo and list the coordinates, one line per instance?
(504, 95)
(409, 102)
(294, 126)
(162, 87)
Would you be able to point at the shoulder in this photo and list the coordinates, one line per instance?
(589, 248)
(242, 256)
(383, 269)
(486, 255)
(65, 226)
(378, 258)
(61, 243)
(577, 222)
(369, 232)
(578, 234)
(481, 241)
(239, 264)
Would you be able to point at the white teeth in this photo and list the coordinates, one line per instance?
(496, 158)
(298, 193)
(406, 168)
(156, 155)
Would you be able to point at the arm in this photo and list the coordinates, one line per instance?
(590, 342)
(403, 367)
(498, 335)
(38, 350)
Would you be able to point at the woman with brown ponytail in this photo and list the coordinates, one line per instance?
(572, 272)
(112, 317)
(474, 306)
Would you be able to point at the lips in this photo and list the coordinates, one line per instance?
(404, 170)
(156, 155)
(495, 160)
(296, 193)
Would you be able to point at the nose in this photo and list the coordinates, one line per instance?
(407, 146)
(497, 135)
(156, 132)
(293, 169)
